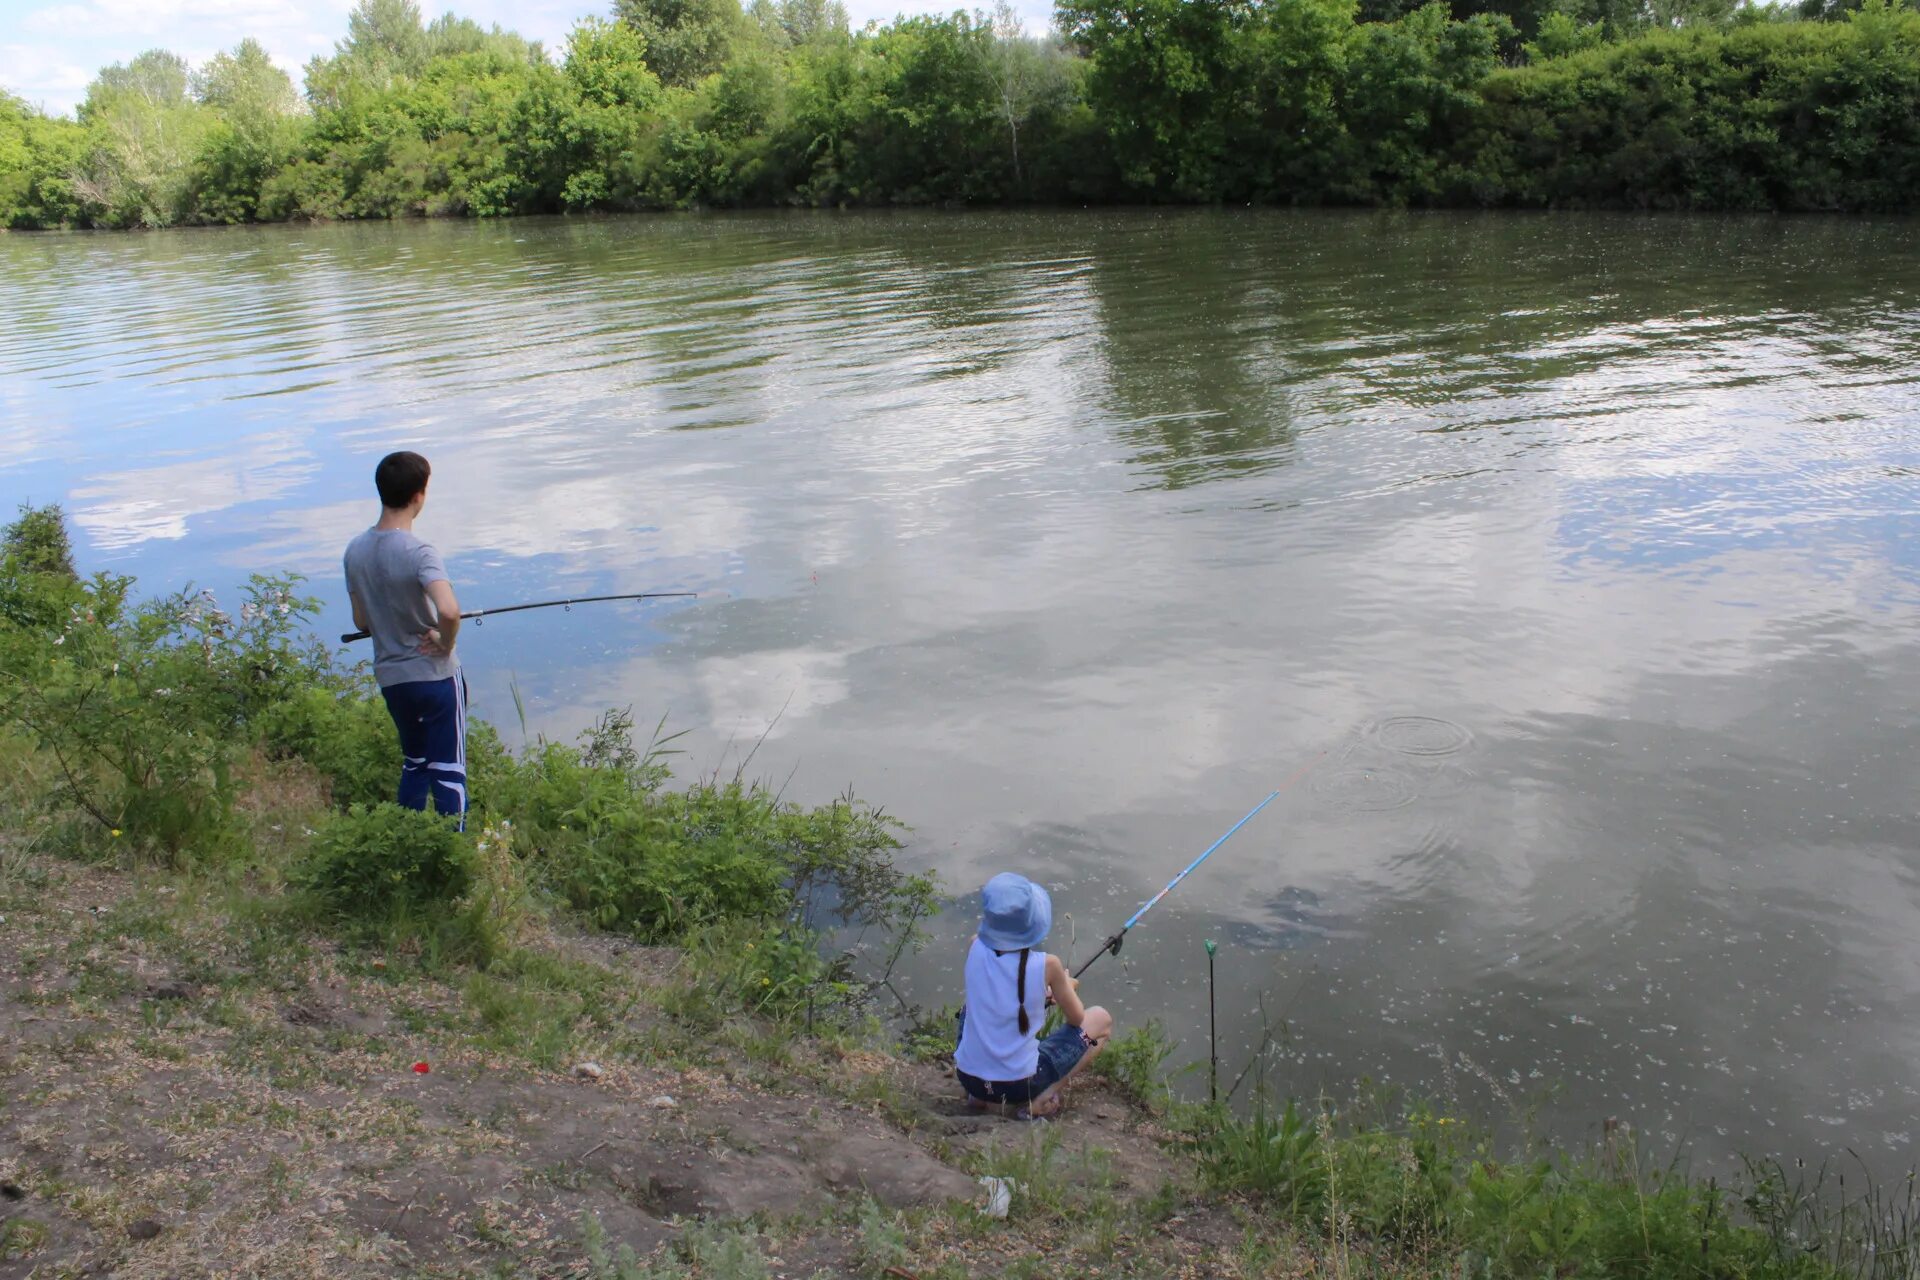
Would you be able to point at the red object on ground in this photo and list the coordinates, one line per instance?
(421, 1068)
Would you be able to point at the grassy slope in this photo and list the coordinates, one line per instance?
(185, 1053)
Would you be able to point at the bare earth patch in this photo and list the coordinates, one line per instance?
(182, 1097)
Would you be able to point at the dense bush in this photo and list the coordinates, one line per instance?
(598, 826)
(1812, 116)
(381, 862)
(1628, 103)
(36, 543)
(142, 706)
(345, 734)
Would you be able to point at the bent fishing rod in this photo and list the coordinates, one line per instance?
(474, 615)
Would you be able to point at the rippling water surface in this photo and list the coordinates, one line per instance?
(1578, 554)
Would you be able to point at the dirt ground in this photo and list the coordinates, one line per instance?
(172, 1105)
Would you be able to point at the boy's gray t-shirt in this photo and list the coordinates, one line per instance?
(389, 569)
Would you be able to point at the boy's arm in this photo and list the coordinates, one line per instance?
(439, 641)
(360, 618)
(1060, 985)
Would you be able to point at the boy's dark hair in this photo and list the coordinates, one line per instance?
(400, 477)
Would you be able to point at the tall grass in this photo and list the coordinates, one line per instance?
(1422, 1187)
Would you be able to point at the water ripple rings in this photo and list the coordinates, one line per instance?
(1443, 782)
(1422, 735)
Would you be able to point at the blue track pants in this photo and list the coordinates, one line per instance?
(431, 716)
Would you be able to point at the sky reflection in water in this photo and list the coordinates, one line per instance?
(1067, 536)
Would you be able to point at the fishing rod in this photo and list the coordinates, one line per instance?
(474, 615)
(1112, 945)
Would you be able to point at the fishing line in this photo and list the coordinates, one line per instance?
(474, 615)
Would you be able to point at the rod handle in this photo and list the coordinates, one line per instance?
(351, 636)
(1111, 945)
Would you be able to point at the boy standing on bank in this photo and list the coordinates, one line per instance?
(401, 596)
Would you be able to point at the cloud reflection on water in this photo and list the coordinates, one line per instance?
(1069, 536)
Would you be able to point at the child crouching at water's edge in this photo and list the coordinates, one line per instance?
(1001, 1061)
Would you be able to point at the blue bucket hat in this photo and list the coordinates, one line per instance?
(1014, 912)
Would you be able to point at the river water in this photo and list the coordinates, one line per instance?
(1574, 558)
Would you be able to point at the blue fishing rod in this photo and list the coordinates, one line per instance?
(1112, 945)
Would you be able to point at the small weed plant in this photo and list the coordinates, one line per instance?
(1135, 1062)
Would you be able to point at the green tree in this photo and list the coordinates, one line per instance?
(1167, 79)
(789, 23)
(1409, 87)
(245, 83)
(448, 35)
(256, 134)
(572, 134)
(143, 132)
(686, 40)
(157, 76)
(1292, 136)
(385, 39)
(39, 156)
(1022, 72)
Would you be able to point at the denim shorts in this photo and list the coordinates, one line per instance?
(1059, 1054)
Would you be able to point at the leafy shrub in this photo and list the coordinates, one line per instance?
(37, 579)
(141, 706)
(345, 734)
(1422, 1182)
(384, 862)
(931, 1035)
(656, 866)
(37, 543)
(763, 969)
(117, 696)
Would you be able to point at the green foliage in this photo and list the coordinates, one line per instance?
(38, 156)
(140, 711)
(36, 543)
(594, 821)
(1697, 104)
(142, 707)
(656, 866)
(344, 733)
(764, 969)
(709, 1250)
(143, 134)
(1275, 1155)
(255, 136)
(382, 862)
(1425, 1184)
(929, 1034)
(882, 1247)
(127, 700)
(1136, 1063)
(1770, 116)
(686, 40)
(658, 870)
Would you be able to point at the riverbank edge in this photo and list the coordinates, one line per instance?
(203, 1085)
(255, 1021)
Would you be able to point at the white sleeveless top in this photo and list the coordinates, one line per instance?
(991, 1046)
